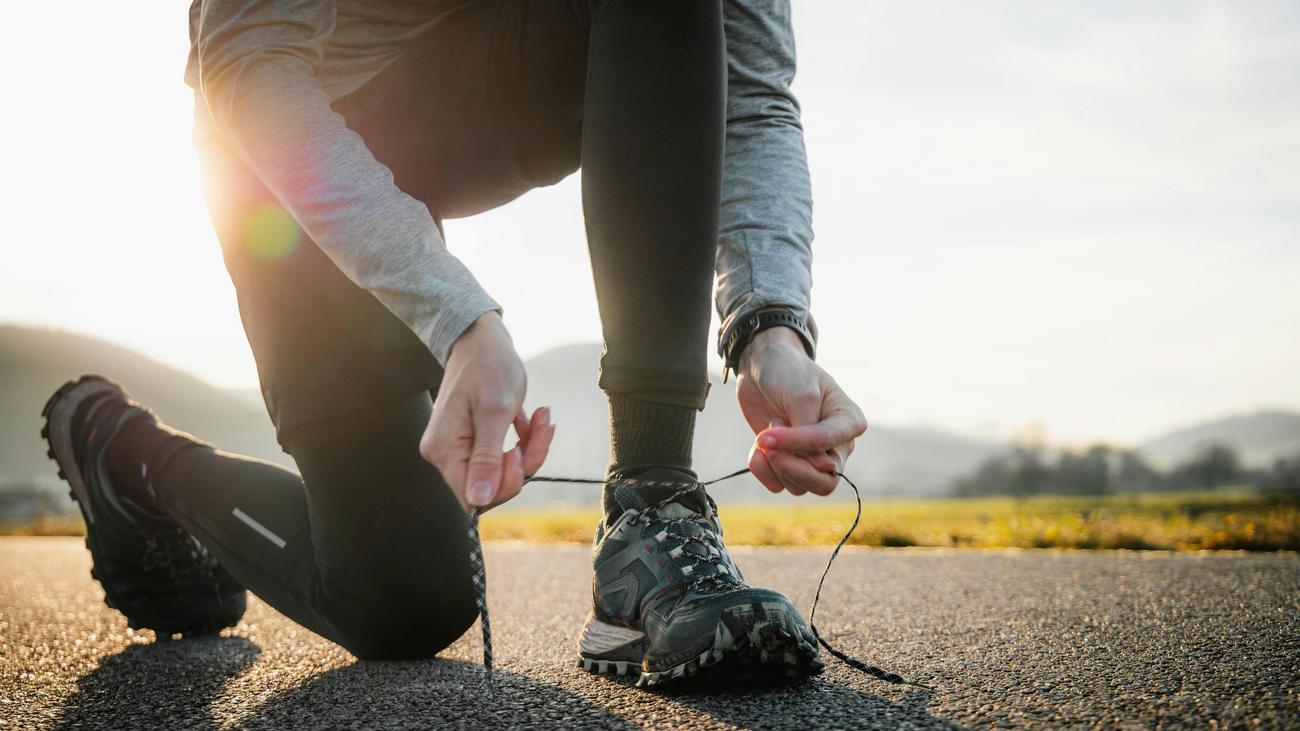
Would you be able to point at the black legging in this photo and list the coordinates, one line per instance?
(652, 145)
(368, 547)
(371, 554)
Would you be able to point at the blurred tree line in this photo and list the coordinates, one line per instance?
(1101, 470)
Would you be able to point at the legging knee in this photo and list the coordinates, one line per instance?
(407, 627)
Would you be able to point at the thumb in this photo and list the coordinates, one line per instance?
(483, 477)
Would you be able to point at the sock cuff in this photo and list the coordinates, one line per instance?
(649, 433)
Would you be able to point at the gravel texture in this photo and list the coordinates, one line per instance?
(1004, 639)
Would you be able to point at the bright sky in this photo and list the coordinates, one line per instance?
(1079, 215)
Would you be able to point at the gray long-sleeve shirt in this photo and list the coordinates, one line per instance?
(266, 72)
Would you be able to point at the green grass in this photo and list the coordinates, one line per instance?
(1184, 521)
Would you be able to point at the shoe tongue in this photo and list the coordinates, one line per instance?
(651, 486)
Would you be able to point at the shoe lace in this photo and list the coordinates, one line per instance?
(175, 552)
(480, 575)
(479, 578)
(707, 565)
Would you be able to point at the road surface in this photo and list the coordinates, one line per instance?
(1005, 639)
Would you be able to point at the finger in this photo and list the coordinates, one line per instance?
(541, 417)
(782, 472)
(539, 445)
(483, 476)
(826, 434)
(522, 425)
(512, 476)
(429, 444)
(800, 473)
(446, 444)
(761, 470)
(841, 455)
(786, 485)
(821, 461)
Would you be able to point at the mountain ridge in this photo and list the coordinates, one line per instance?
(1259, 437)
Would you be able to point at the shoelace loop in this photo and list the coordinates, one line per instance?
(680, 529)
(480, 576)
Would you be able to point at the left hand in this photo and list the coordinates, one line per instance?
(804, 423)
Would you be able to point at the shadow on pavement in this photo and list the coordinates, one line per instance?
(426, 694)
(170, 684)
(814, 703)
(177, 685)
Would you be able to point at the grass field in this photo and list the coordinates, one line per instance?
(1182, 521)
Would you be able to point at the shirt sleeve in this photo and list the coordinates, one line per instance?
(764, 255)
(257, 66)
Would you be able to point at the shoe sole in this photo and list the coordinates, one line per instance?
(63, 405)
(609, 649)
(752, 645)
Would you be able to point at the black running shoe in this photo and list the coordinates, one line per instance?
(670, 604)
(152, 570)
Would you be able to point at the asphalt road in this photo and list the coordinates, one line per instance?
(1020, 639)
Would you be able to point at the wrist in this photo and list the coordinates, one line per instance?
(779, 336)
(779, 340)
(486, 327)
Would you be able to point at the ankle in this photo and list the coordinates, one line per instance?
(132, 447)
(652, 487)
(649, 434)
(643, 436)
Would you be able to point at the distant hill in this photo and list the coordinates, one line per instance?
(35, 362)
(1259, 438)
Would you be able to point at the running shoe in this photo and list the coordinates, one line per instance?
(151, 569)
(670, 604)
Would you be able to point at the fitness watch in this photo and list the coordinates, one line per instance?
(742, 334)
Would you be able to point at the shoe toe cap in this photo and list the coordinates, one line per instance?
(690, 628)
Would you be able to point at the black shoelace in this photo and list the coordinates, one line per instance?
(480, 575)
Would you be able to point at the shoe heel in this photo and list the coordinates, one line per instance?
(610, 649)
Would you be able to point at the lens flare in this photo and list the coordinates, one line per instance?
(271, 233)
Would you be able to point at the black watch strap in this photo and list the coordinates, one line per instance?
(742, 334)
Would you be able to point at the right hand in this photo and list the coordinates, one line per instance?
(482, 394)
(804, 423)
